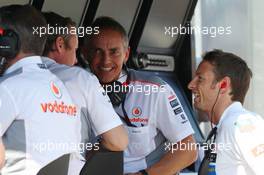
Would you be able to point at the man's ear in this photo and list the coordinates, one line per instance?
(225, 84)
(127, 52)
(59, 44)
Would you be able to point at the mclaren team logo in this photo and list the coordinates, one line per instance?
(55, 90)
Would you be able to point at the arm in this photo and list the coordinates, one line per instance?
(115, 139)
(247, 136)
(173, 122)
(175, 161)
(104, 119)
(2, 154)
(8, 113)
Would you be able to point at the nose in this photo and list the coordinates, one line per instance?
(191, 85)
(105, 58)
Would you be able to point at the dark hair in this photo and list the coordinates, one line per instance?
(56, 21)
(105, 22)
(23, 19)
(234, 67)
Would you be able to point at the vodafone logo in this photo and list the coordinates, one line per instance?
(137, 111)
(59, 107)
(55, 90)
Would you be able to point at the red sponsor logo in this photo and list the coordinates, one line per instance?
(55, 90)
(139, 120)
(59, 107)
(136, 111)
(172, 97)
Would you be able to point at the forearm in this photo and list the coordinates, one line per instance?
(115, 139)
(175, 161)
(2, 154)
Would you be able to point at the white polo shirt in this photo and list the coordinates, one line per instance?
(240, 142)
(157, 114)
(97, 112)
(38, 119)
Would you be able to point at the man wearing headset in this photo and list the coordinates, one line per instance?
(151, 117)
(36, 110)
(219, 87)
(97, 114)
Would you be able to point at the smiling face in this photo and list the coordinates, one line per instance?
(204, 87)
(107, 54)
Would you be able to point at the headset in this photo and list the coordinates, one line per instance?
(9, 46)
(118, 91)
(117, 94)
(210, 156)
(223, 85)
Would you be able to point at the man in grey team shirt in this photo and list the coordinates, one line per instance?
(84, 88)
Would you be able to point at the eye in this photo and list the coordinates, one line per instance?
(97, 51)
(115, 51)
(200, 79)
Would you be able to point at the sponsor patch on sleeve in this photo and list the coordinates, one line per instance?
(259, 150)
(178, 110)
(174, 103)
(245, 126)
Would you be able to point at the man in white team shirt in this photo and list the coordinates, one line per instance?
(37, 114)
(152, 117)
(220, 86)
(97, 113)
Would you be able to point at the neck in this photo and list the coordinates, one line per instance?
(54, 56)
(218, 110)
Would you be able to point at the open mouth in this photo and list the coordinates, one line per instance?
(196, 97)
(105, 69)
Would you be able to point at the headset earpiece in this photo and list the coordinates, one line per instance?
(223, 85)
(9, 43)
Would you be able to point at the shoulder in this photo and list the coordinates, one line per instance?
(73, 73)
(145, 78)
(12, 79)
(242, 122)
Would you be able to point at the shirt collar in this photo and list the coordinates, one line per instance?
(235, 106)
(122, 77)
(23, 62)
(47, 59)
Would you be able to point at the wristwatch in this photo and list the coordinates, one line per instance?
(144, 172)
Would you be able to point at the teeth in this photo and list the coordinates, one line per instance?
(106, 68)
(196, 95)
